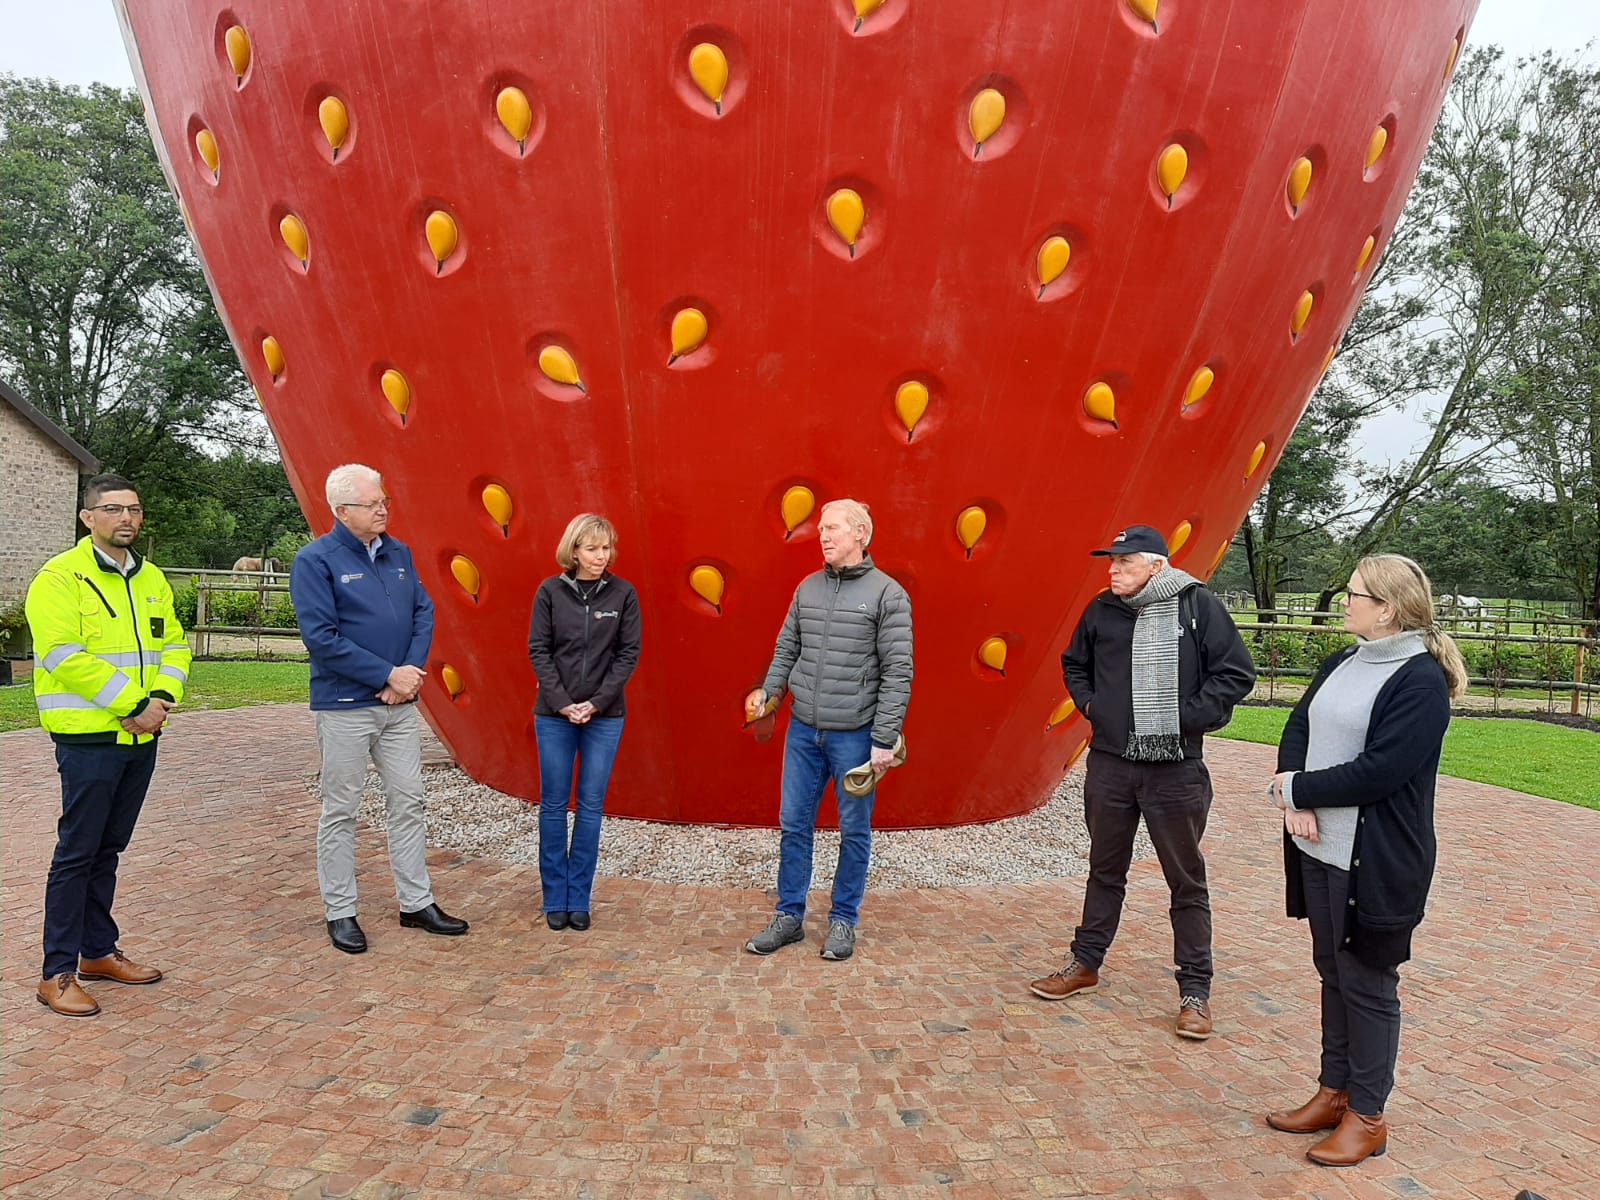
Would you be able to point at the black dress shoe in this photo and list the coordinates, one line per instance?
(346, 935)
(435, 920)
(556, 920)
(578, 920)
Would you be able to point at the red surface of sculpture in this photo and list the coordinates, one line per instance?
(1115, 243)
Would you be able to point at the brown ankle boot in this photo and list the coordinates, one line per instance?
(1358, 1137)
(1323, 1111)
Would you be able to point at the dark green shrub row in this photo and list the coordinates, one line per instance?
(235, 608)
(1485, 660)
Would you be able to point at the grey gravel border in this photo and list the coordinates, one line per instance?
(1048, 843)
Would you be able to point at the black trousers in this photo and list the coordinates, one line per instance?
(102, 791)
(1175, 800)
(1360, 1002)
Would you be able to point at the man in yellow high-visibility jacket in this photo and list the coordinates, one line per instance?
(110, 661)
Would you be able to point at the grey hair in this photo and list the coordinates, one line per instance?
(855, 513)
(1145, 556)
(344, 483)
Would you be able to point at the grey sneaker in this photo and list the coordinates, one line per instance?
(841, 943)
(784, 931)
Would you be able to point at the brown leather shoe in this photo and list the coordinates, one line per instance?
(64, 996)
(1358, 1138)
(1323, 1111)
(118, 968)
(1194, 1018)
(1069, 981)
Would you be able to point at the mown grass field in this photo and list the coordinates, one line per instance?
(212, 685)
(1528, 756)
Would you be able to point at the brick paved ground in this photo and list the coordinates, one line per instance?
(651, 1057)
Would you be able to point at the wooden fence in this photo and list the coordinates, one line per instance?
(1551, 635)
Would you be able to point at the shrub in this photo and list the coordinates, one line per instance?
(13, 628)
(280, 611)
(183, 603)
(233, 608)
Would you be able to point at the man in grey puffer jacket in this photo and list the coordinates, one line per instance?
(845, 653)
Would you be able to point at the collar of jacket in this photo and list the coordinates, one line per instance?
(854, 571)
(570, 578)
(86, 544)
(342, 534)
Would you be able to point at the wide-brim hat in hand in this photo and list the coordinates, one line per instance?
(859, 781)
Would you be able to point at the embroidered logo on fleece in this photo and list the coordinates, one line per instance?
(612, 613)
(351, 578)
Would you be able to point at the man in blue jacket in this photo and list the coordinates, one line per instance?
(367, 622)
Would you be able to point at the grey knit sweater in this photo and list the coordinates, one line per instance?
(1339, 715)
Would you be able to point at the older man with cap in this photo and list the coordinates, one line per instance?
(1155, 664)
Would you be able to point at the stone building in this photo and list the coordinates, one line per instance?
(40, 470)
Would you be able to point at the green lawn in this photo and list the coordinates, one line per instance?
(211, 685)
(1530, 756)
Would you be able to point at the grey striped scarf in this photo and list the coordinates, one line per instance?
(1157, 736)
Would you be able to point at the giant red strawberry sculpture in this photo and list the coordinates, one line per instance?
(1016, 276)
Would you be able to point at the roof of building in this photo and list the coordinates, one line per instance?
(49, 428)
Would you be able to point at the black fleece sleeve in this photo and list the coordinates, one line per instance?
(626, 657)
(541, 650)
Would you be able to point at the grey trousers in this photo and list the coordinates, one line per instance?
(389, 735)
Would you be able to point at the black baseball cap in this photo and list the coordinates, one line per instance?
(1136, 539)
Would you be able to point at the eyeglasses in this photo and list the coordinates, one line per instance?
(116, 510)
(1364, 595)
(386, 503)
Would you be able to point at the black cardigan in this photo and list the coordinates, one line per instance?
(1392, 780)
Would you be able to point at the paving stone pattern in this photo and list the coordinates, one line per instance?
(651, 1057)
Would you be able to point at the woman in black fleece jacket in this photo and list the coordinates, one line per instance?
(583, 642)
(1357, 769)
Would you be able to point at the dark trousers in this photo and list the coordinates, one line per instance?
(102, 790)
(1360, 1002)
(1174, 799)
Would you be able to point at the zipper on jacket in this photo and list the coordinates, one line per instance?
(98, 592)
(583, 676)
(822, 650)
(133, 612)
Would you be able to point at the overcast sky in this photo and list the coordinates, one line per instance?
(78, 41)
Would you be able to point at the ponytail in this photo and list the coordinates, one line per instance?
(1445, 652)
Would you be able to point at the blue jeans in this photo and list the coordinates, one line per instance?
(567, 874)
(810, 758)
(102, 790)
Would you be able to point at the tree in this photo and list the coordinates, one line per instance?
(1476, 268)
(1476, 538)
(1548, 410)
(106, 322)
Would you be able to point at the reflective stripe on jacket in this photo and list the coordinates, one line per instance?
(103, 645)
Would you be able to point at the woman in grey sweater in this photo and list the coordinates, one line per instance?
(1356, 774)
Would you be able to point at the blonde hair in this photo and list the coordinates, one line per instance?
(855, 515)
(1404, 586)
(585, 527)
